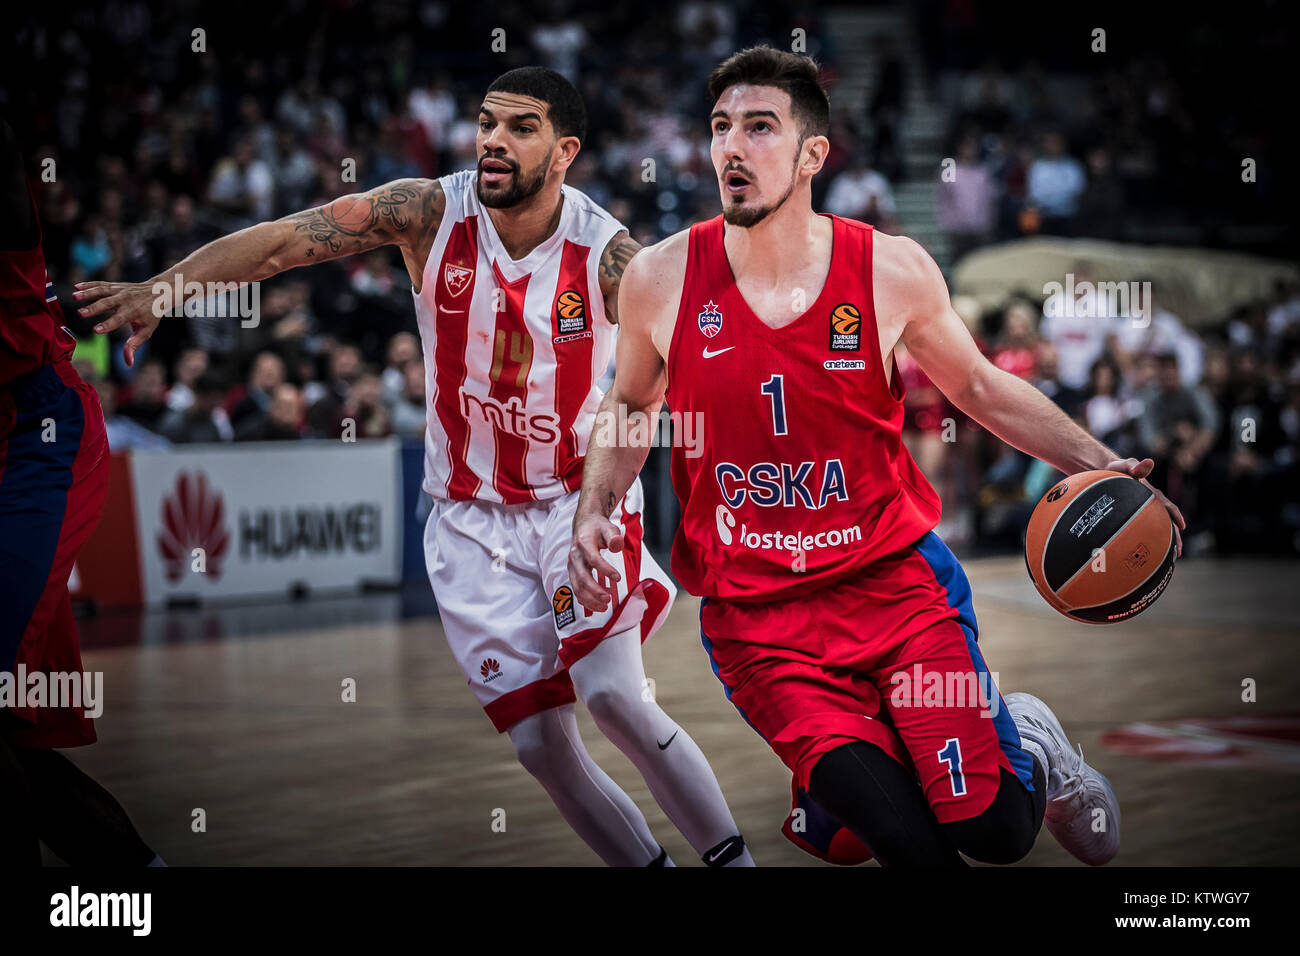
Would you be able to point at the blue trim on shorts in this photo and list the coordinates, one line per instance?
(35, 476)
(708, 649)
(948, 572)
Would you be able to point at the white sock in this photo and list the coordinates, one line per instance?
(550, 748)
(611, 682)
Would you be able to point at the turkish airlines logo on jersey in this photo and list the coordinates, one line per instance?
(456, 278)
(710, 320)
(846, 328)
(563, 604)
(490, 670)
(570, 317)
(193, 517)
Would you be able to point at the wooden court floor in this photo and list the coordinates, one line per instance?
(253, 732)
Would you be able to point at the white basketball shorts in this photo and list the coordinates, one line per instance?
(500, 576)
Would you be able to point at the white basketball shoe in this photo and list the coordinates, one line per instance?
(1082, 809)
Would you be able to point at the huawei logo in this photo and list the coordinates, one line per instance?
(490, 670)
(193, 516)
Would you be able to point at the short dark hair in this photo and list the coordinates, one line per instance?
(564, 106)
(797, 75)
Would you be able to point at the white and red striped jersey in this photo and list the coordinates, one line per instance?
(512, 351)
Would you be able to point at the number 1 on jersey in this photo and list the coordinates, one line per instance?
(775, 390)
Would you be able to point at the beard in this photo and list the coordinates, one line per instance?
(520, 188)
(747, 217)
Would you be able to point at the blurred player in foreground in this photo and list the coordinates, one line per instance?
(53, 479)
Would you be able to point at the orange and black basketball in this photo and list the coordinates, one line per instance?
(1100, 547)
(845, 319)
(570, 305)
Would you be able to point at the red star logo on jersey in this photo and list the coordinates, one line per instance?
(456, 278)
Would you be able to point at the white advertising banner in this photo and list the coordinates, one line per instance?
(224, 521)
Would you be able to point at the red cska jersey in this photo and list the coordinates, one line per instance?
(801, 476)
(31, 323)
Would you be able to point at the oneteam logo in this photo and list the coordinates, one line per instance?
(193, 516)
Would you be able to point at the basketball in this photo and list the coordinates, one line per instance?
(1100, 547)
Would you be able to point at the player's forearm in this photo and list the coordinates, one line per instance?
(249, 255)
(613, 458)
(1025, 418)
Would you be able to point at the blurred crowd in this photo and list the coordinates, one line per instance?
(158, 148)
(1217, 409)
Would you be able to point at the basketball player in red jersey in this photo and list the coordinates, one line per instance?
(53, 479)
(830, 605)
(515, 277)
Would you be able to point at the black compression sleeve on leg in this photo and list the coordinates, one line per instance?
(873, 795)
(77, 818)
(17, 222)
(1006, 830)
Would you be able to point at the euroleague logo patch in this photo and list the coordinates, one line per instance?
(563, 604)
(570, 316)
(846, 328)
(1057, 492)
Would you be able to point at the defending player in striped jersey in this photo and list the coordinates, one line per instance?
(515, 277)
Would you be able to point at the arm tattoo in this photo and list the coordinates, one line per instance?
(613, 263)
(366, 220)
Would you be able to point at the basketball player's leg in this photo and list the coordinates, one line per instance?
(610, 681)
(550, 748)
(499, 625)
(986, 790)
(51, 495)
(603, 655)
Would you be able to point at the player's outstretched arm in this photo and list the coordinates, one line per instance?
(404, 212)
(908, 283)
(610, 466)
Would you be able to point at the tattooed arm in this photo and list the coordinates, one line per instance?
(613, 263)
(405, 213)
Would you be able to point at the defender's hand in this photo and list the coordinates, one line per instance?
(1139, 470)
(120, 303)
(593, 577)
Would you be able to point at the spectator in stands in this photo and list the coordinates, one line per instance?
(1177, 427)
(1078, 329)
(408, 411)
(364, 412)
(1015, 349)
(325, 416)
(281, 421)
(266, 373)
(966, 202)
(242, 186)
(1108, 415)
(190, 364)
(1055, 186)
(1151, 328)
(860, 192)
(123, 432)
(204, 420)
(1102, 206)
(403, 348)
(145, 399)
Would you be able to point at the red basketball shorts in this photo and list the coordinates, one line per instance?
(888, 656)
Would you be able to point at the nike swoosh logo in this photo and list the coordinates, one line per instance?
(714, 856)
(664, 745)
(443, 308)
(708, 354)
